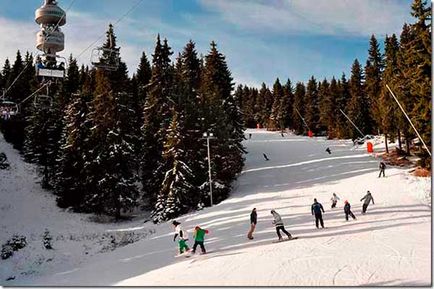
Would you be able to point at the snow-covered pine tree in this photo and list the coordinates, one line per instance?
(110, 164)
(177, 186)
(189, 105)
(223, 118)
(42, 139)
(70, 176)
(156, 117)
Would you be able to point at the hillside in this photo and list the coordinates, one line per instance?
(390, 245)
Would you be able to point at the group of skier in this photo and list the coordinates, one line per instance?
(198, 235)
(316, 209)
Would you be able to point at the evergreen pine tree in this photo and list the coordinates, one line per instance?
(420, 54)
(299, 108)
(312, 105)
(176, 191)
(326, 108)
(388, 107)
(223, 118)
(286, 104)
(143, 76)
(358, 107)
(373, 72)
(276, 120)
(156, 117)
(343, 126)
(70, 177)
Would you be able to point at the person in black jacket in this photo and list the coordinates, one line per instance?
(368, 198)
(382, 169)
(253, 220)
(316, 210)
(265, 157)
(347, 210)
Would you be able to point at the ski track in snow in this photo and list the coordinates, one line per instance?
(388, 246)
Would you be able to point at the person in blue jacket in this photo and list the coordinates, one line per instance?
(316, 210)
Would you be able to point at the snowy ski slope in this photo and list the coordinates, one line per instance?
(389, 246)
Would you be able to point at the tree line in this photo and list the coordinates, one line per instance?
(405, 65)
(108, 143)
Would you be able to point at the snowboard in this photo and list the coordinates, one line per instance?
(187, 254)
(286, 239)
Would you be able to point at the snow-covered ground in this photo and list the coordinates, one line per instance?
(389, 246)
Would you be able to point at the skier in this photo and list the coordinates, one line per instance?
(250, 135)
(317, 208)
(382, 169)
(199, 238)
(334, 200)
(279, 225)
(253, 220)
(329, 151)
(368, 197)
(183, 237)
(347, 210)
(265, 157)
(282, 134)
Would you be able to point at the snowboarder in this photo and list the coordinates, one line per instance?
(347, 210)
(279, 225)
(382, 169)
(253, 220)
(316, 210)
(334, 200)
(199, 238)
(183, 237)
(329, 151)
(265, 157)
(368, 197)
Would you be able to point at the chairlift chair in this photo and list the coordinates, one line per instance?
(42, 101)
(58, 71)
(105, 58)
(8, 109)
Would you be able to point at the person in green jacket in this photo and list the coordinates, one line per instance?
(199, 238)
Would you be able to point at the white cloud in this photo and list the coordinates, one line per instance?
(319, 17)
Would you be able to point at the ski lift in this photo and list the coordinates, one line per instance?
(42, 101)
(8, 109)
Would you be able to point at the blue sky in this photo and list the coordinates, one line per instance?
(261, 39)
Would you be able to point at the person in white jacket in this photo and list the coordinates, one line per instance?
(334, 200)
(183, 237)
(279, 225)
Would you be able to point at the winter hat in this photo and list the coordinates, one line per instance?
(197, 228)
(273, 211)
(315, 200)
(175, 223)
(346, 202)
